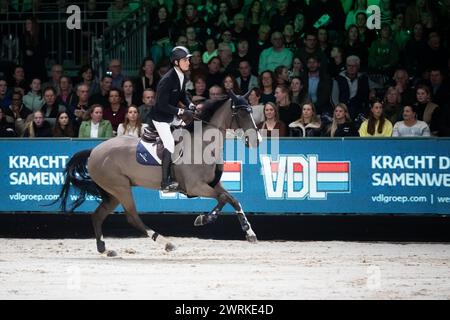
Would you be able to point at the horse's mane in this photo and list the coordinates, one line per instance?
(210, 107)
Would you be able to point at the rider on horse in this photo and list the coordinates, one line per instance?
(170, 92)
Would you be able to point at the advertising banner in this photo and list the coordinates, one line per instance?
(317, 176)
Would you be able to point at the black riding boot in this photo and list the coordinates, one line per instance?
(166, 184)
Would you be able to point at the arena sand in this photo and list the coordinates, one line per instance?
(210, 269)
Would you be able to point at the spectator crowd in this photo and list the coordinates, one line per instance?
(314, 68)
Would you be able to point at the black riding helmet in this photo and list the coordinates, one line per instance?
(178, 53)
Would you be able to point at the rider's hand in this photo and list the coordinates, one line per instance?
(187, 116)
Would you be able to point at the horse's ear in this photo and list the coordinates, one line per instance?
(232, 95)
(245, 96)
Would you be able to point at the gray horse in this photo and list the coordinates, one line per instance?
(109, 170)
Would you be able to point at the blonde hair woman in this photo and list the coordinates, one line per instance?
(309, 124)
(342, 125)
(272, 121)
(132, 126)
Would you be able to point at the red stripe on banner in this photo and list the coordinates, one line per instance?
(232, 166)
(274, 166)
(298, 167)
(332, 167)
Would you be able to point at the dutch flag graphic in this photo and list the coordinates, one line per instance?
(232, 176)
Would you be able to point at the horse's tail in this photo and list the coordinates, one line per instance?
(76, 174)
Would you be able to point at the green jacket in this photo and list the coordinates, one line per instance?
(104, 129)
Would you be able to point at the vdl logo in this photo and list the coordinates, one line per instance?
(299, 177)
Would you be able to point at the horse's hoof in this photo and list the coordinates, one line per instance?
(111, 253)
(199, 221)
(170, 247)
(101, 246)
(251, 238)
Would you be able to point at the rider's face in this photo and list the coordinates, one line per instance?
(184, 64)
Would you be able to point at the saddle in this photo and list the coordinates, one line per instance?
(151, 136)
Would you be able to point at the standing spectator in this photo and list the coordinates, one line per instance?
(161, 31)
(272, 126)
(384, 53)
(95, 126)
(34, 51)
(56, 73)
(130, 97)
(148, 100)
(354, 47)
(357, 7)
(63, 126)
(410, 126)
(223, 21)
(366, 35)
(267, 84)
(38, 127)
(132, 126)
(308, 125)
(352, 88)
(87, 78)
(116, 111)
(377, 125)
(246, 80)
(342, 125)
(33, 100)
(415, 46)
(102, 96)
(276, 55)
(146, 79)
(51, 107)
(191, 19)
(116, 73)
(288, 110)
(400, 34)
(254, 16)
(318, 85)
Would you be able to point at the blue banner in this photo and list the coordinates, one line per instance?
(319, 176)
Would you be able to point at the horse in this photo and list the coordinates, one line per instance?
(110, 170)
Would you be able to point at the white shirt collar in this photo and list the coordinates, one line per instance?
(180, 76)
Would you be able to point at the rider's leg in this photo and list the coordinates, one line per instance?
(165, 134)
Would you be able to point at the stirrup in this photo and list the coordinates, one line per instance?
(169, 186)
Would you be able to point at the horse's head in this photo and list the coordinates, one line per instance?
(242, 119)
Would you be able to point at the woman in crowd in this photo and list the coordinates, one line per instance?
(199, 90)
(66, 96)
(266, 84)
(229, 84)
(410, 126)
(33, 100)
(63, 126)
(117, 110)
(95, 126)
(281, 75)
(132, 126)
(297, 68)
(308, 125)
(426, 110)
(130, 96)
(392, 105)
(258, 108)
(288, 110)
(51, 107)
(376, 125)
(298, 95)
(342, 125)
(272, 125)
(147, 78)
(87, 77)
(38, 127)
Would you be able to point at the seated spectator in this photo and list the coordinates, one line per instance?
(17, 114)
(243, 53)
(275, 56)
(440, 89)
(392, 105)
(199, 90)
(56, 73)
(102, 96)
(336, 65)
(63, 126)
(410, 126)
(38, 127)
(415, 46)
(115, 67)
(147, 78)
(281, 75)
(401, 83)
(6, 128)
(5, 97)
(95, 126)
(309, 124)
(342, 125)
(18, 80)
(288, 110)
(51, 107)
(257, 107)
(129, 93)
(66, 96)
(246, 80)
(384, 53)
(229, 84)
(352, 88)
(132, 126)
(34, 100)
(267, 85)
(272, 126)
(197, 67)
(116, 111)
(87, 77)
(216, 92)
(298, 94)
(426, 110)
(297, 68)
(148, 100)
(311, 48)
(211, 50)
(376, 125)
(214, 76)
